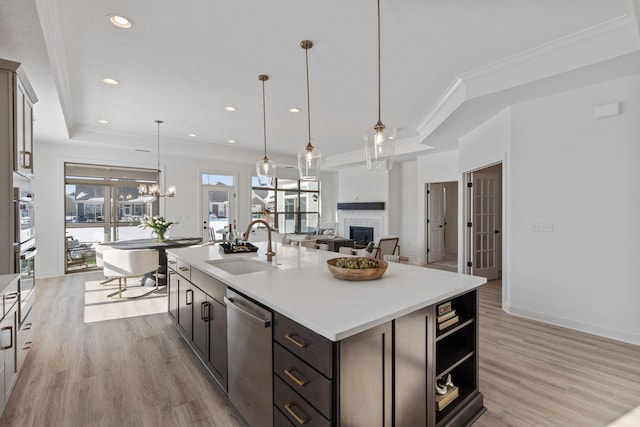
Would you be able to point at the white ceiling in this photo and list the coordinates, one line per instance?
(183, 62)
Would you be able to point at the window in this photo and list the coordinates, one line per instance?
(102, 204)
(294, 204)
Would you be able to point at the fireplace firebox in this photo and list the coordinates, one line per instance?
(361, 235)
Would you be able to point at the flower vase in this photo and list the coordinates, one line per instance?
(160, 237)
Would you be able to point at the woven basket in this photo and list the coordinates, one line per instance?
(356, 274)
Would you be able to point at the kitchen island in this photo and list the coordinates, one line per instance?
(344, 353)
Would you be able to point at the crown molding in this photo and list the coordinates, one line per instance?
(54, 41)
(611, 39)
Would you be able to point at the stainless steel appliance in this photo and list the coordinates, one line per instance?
(25, 249)
(24, 214)
(250, 370)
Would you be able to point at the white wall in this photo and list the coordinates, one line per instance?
(451, 229)
(581, 175)
(358, 184)
(409, 243)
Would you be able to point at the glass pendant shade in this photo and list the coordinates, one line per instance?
(309, 161)
(265, 168)
(380, 146)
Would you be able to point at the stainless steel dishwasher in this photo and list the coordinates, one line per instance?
(250, 370)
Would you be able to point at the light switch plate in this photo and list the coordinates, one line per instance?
(542, 226)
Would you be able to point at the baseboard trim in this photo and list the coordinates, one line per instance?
(577, 325)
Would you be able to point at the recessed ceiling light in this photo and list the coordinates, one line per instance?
(103, 122)
(110, 81)
(193, 135)
(120, 21)
(231, 141)
(294, 110)
(230, 108)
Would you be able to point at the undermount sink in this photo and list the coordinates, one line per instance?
(237, 266)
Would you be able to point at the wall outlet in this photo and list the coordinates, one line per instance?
(542, 227)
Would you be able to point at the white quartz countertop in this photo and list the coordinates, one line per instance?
(6, 280)
(302, 288)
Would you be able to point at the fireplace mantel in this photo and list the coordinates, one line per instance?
(361, 206)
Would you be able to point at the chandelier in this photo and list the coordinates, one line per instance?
(379, 142)
(154, 189)
(265, 168)
(310, 158)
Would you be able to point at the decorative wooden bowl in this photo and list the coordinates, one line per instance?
(355, 273)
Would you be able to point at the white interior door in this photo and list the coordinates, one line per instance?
(435, 222)
(484, 228)
(218, 211)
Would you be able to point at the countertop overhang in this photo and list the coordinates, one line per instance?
(303, 289)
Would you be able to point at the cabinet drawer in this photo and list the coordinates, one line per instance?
(212, 287)
(279, 420)
(294, 407)
(306, 381)
(183, 269)
(172, 262)
(314, 349)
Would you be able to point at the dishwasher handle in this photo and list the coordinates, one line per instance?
(230, 303)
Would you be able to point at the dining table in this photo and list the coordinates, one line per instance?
(161, 247)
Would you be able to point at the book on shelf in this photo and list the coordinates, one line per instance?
(446, 316)
(447, 323)
(442, 400)
(443, 308)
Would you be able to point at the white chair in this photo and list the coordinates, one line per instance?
(123, 263)
(403, 259)
(308, 243)
(100, 248)
(345, 250)
(322, 246)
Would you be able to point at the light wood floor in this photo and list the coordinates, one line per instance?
(136, 371)
(534, 374)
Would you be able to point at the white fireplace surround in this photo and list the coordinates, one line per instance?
(351, 218)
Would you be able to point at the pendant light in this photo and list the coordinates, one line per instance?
(265, 168)
(154, 189)
(310, 158)
(379, 142)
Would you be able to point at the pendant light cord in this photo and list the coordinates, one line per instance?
(158, 170)
(379, 60)
(264, 117)
(306, 55)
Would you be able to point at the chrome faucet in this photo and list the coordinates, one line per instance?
(245, 237)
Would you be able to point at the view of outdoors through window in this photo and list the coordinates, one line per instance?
(102, 204)
(294, 205)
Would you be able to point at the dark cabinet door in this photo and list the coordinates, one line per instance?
(185, 306)
(218, 341)
(172, 292)
(201, 317)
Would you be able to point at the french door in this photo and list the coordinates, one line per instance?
(483, 229)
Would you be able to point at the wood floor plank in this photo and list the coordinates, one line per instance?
(137, 371)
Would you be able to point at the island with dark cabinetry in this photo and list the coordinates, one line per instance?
(353, 353)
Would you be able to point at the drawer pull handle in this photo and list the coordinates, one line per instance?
(300, 419)
(10, 329)
(298, 343)
(183, 268)
(290, 374)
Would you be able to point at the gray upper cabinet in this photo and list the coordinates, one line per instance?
(17, 118)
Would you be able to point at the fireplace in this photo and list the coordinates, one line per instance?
(361, 235)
